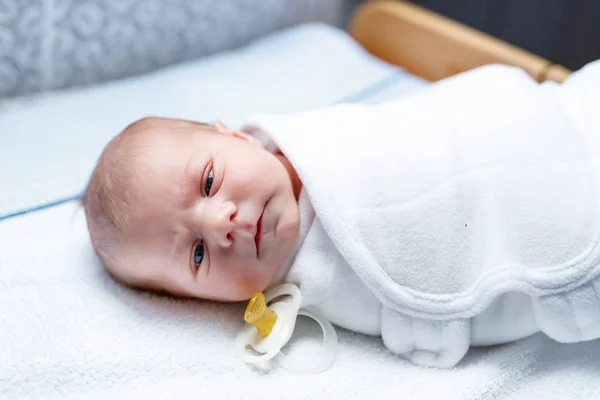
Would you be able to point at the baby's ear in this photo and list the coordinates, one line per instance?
(219, 127)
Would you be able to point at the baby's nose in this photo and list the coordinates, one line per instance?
(222, 223)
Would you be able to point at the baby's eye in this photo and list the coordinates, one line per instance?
(198, 253)
(209, 182)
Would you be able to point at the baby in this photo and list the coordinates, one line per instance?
(192, 209)
(464, 215)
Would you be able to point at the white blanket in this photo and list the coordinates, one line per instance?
(441, 203)
(69, 332)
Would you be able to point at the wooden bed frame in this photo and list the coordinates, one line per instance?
(434, 47)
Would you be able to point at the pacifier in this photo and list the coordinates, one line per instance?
(270, 325)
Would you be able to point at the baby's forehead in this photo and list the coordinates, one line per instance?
(165, 128)
(155, 138)
(157, 152)
(161, 164)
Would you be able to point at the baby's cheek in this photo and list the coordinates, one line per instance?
(237, 272)
(243, 289)
(274, 169)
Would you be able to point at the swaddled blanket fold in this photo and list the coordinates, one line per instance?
(481, 185)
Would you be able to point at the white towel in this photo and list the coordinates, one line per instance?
(476, 187)
(67, 331)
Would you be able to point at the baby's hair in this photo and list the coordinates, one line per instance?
(111, 188)
(105, 200)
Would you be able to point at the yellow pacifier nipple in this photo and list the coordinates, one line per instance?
(260, 315)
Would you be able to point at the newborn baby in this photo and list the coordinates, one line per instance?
(466, 214)
(192, 209)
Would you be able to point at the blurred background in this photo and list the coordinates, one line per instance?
(54, 44)
(566, 32)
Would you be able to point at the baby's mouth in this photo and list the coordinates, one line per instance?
(258, 235)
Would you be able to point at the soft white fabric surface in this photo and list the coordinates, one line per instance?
(69, 332)
(450, 199)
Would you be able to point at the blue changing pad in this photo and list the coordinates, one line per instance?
(49, 143)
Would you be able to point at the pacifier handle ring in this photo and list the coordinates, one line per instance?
(328, 348)
(285, 289)
(254, 359)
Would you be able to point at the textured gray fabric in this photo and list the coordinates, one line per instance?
(51, 44)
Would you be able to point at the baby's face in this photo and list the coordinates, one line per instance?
(217, 218)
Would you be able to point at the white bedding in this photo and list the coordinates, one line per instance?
(68, 331)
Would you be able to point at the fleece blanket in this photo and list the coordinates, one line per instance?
(474, 188)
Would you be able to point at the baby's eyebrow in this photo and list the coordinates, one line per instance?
(190, 189)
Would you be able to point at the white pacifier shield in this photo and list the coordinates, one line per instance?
(287, 310)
